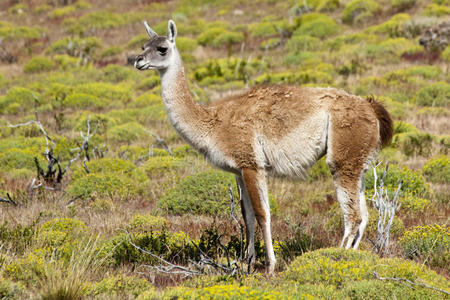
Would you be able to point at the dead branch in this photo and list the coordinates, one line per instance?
(160, 141)
(408, 283)
(386, 210)
(83, 148)
(8, 200)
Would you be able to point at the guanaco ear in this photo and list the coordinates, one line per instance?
(172, 31)
(151, 33)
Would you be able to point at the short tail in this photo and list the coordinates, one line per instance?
(385, 121)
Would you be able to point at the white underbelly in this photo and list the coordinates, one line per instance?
(293, 154)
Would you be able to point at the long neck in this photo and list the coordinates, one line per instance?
(187, 116)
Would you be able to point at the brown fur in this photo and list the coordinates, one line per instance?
(384, 118)
(251, 184)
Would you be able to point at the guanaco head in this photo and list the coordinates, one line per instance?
(159, 52)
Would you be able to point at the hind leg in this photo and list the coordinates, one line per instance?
(249, 219)
(350, 194)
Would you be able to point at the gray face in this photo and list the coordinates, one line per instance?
(158, 52)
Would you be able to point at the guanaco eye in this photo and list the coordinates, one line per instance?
(162, 50)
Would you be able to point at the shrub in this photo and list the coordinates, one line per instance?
(98, 122)
(62, 11)
(303, 43)
(38, 64)
(97, 20)
(9, 32)
(218, 36)
(433, 9)
(430, 243)
(413, 182)
(317, 25)
(146, 222)
(104, 185)
(389, 50)
(393, 27)
(446, 54)
(62, 236)
(163, 165)
(435, 94)
(185, 44)
(110, 165)
(415, 204)
(10, 290)
(111, 51)
(66, 62)
(149, 82)
(146, 100)
(401, 5)
(413, 143)
(27, 269)
(108, 91)
(437, 169)
(74, 46)
(202, 193)
(126, 133)
(20, 159)
(115, 73)
(324, 5)
(351, 274)
(18, 237)
(83, 100)
(267, 27)
(183, 151)
(359, 11)
(18, 99)
(121, 285)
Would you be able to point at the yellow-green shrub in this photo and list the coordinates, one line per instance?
(437, 169)
(202, 193)
(267, 27)
(351, 273)
(10, 32)
(434, 9)
(183, 151)
(303, 43)
(10, 290)
(359, 11)
(20, 159)
(19, 99)
(163, 165)
(413, 182)
(146, 222)
(415, 204)
(75, 46)
(38, 64)
(317, 25)
(435, 94)
(121, 285)
(430, 243)
(323, 5)
(147, 99)
(218, 36)
(115, 73)
(126, 133)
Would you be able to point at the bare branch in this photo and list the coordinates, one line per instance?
(160, 141)
(8, 200)
(386, 210)
(408, 283)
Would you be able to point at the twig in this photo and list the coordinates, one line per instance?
(411, 284)
(160, 141)
(8, 200)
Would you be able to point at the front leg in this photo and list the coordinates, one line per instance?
(249, 219)
(256, 186)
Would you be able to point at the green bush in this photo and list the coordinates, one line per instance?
(323, 5)
(360, 11)
(185, 44)
(202, 193)
(10, 290)
(433, 9)
(163, 166)
(317, 25)
(303, 43)
(350, 273)
(9, 32)
(437, 169)
(147, 223)
(394, 27)
(401, 5)
(146, 100)
(116, 73)
(413, 182)
(121, 285)
(126, 133)
(430, 243)
(149, 82)
(389, 50)
(415, 204)
(111, 51)
(109, 165)
(20, 159)
(267, 27)
(38, 64)
(97, 20)
(75, 46)
(446, 54)
(111, 92)
(19, 99)
(183, 151)
(435, 94)
(413, 143)
(111, 185)
(218, 36)
(83, 100)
